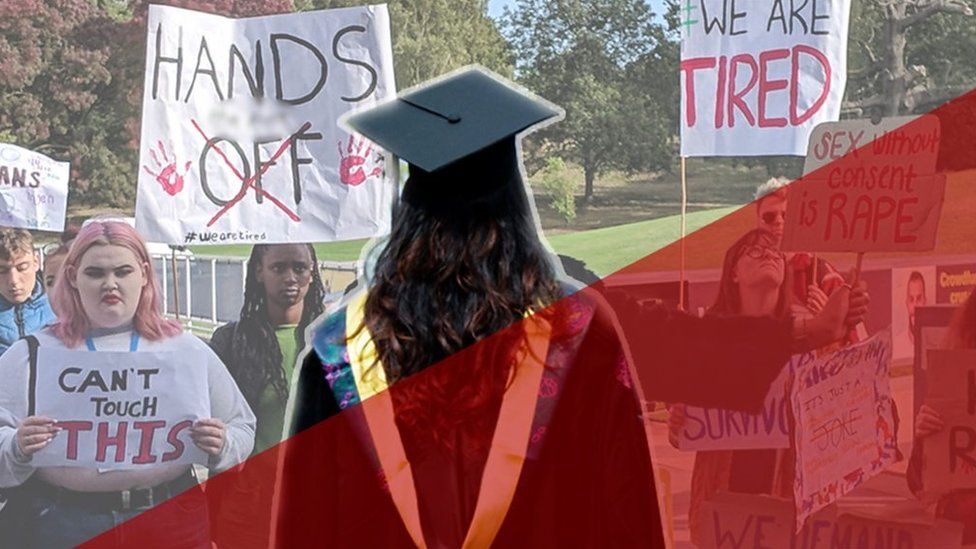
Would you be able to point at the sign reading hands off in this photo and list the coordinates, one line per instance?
(239, 136)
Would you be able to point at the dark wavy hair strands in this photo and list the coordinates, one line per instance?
(454, 272)
(254, 339)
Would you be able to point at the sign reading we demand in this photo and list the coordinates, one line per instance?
(757, 77)
(121, 410)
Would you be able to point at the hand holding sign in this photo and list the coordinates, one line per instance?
(928, 422)
(209, 435)
(34, 433)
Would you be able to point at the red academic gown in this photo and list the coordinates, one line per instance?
(586, 478)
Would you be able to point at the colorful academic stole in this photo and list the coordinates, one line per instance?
(509, 443)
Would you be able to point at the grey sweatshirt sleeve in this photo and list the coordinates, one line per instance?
(228, 405)
(15, 468)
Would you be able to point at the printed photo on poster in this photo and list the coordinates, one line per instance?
(911, 287)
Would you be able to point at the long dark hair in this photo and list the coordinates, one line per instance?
(256, 355)
(463, 262)
(729, 301)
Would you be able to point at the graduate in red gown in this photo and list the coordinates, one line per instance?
(470, 397)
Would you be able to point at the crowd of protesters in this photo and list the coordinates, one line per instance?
(532, 405)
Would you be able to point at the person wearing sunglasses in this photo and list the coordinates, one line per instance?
(811, 286)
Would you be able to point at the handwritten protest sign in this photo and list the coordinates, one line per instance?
(757, 77)
(869, 187)
(845, 430)
(911, 142)
(739, 521)
(239, 135)
(949, 456)
(33, 190)
(121, 410)
(718, 429)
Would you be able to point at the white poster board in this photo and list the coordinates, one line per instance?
(239, 136)
(33, 190)
(719, 429)
(120, 410)
(757, 77)
(845, 429)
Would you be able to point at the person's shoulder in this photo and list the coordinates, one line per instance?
(331, 329)
(47, 338)
(183, 341)
(224, 335)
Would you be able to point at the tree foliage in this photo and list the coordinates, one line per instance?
(432, 37)
(561, 188)
(612, 68)
(909, 55)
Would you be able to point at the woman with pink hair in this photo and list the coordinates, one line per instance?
(108, 302)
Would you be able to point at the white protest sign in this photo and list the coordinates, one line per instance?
(239, 134)
(33, 190)
(718, 429)
(869, 187)
(911, 142)
(845, 431)
(741, 521)
(949, 456)
(757, 77)
(121, 410)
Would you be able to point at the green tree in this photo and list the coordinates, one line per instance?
(431, 37)
(910, 55)
(612, 68)
(560, 187)
(57, 93)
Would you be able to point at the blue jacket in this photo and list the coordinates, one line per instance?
(17, 321)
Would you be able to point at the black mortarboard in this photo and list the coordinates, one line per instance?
(451, 119)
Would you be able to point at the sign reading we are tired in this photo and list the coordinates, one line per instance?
(121, 410)
(757, 77)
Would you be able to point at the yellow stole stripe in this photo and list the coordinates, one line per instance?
(509, 442)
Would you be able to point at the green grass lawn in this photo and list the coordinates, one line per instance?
(608, 249)
(332, 251)
(603, 250)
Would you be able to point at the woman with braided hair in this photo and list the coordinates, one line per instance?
(283, 293)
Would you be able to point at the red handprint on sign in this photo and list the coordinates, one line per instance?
(168, 173)
(354, 163)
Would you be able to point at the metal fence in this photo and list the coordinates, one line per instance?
(210, 290)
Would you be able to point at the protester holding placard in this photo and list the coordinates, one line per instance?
(812, 283)
(108, 302)
(283, 294)
(24, 306)
(958, 505)
(755, 282)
